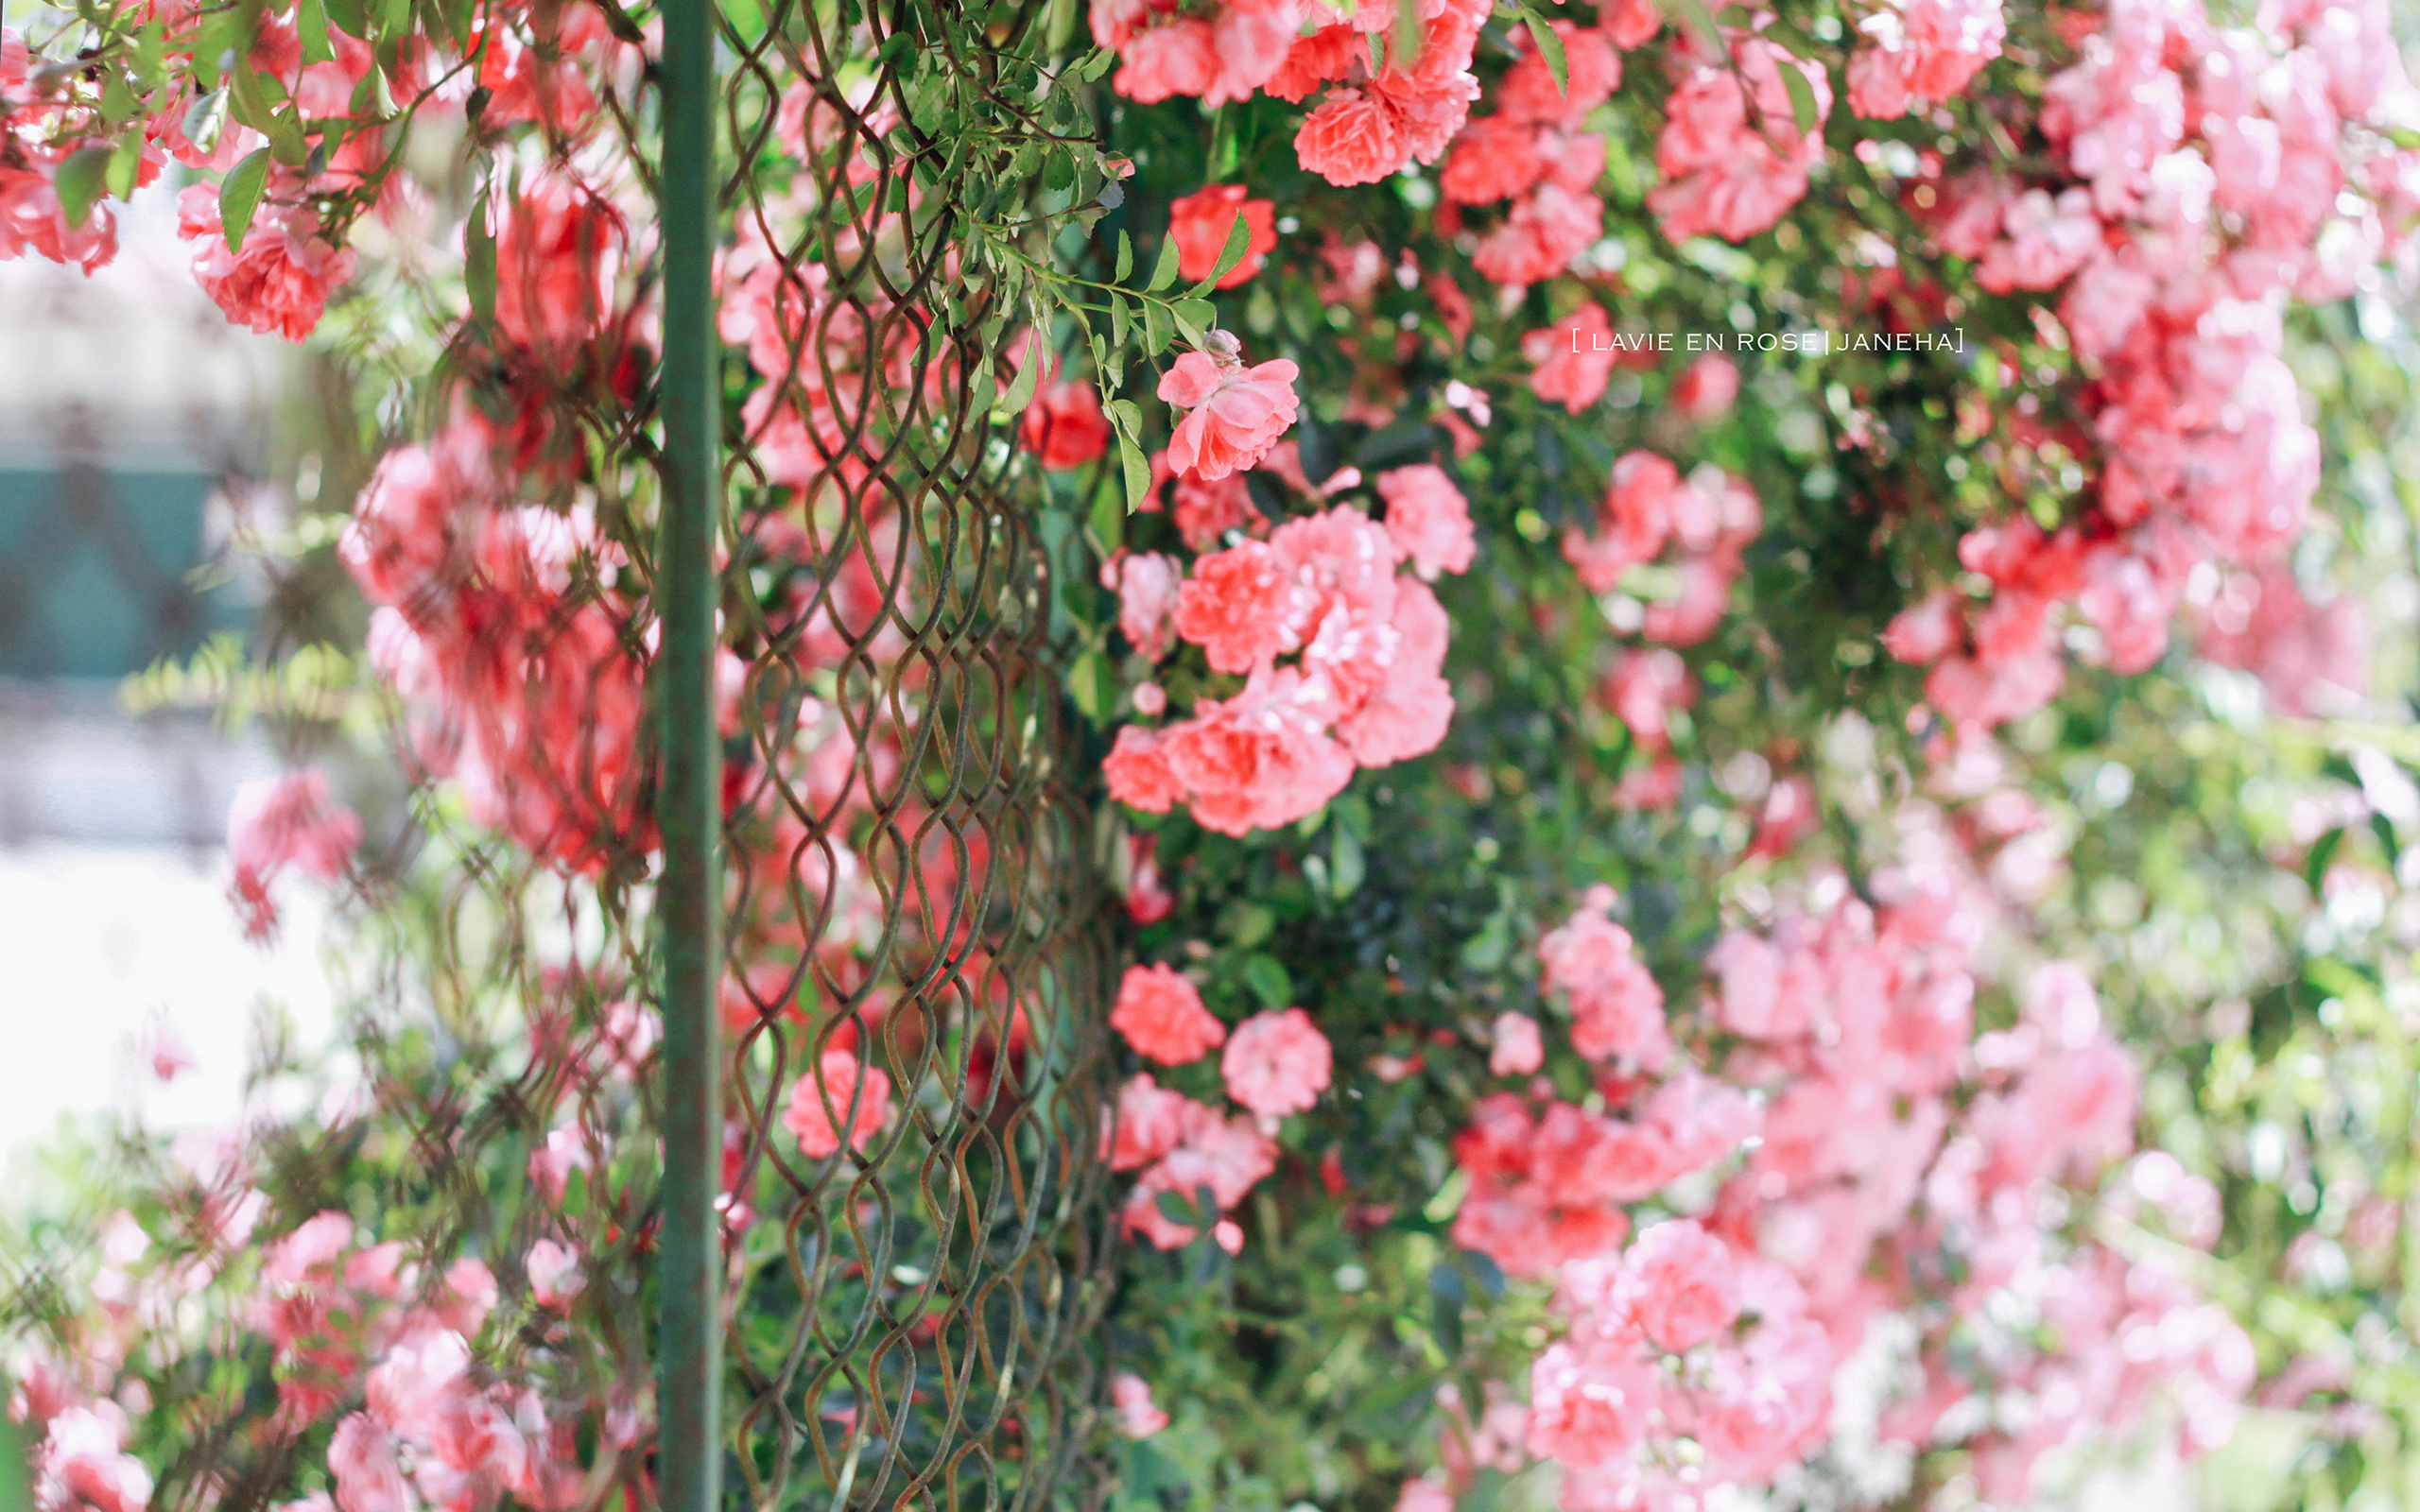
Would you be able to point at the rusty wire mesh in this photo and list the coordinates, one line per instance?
(912, 1311)
(909, 867)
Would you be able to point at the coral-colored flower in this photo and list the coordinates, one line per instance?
(277, 822)
(840, 1094)
(1180, 58)
(1493, 159)
(1546, 230)
(1354, 137)
(1592, 72)
(1202, 221)
(1240, 607)
(1065, 424)
(1260, 759)
(1237, 413)
(1276, 1063)
(1161, 1015)
(1139, 771)
(1572, 362)
(280, 282)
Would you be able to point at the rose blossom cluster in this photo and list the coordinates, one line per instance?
(1732, 152)
(1916, 54)
(274, 823)
(492, 624)
(2203, 175)
(1886, 1135)
(1700, 526)
(1275, 1064)
(1380, 107)
(1347, 600)
(1533, 152)
(361, 1338)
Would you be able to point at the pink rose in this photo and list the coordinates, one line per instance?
(1238, 606)
(1518, 1049)
(839, 1094)
(1351, 138)
(1276, 1063)
(1237, 413)
(1688, 1284)
(1202, 222)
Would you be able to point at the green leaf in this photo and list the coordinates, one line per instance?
(1549, 48)
(1177, 1208)
(311, 26)
(126, 165)
(1407, 40)
(118, 104)
(1127, 416)
(1092, 67)
(1121, 319)
(1693, 14)
(1195, 318)
(1346, 866)
(1157, 329)
(1107, 520)
(2322, 852)
(149, 55)
(479, 261)
(80, 181)
(1269, 982)
(1802, 98)
(1093, 683)
(1125, 257)
(1020, 393)
(1138, 473)
(1239, 242)
(1163, 271)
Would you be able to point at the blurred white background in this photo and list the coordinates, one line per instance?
(113, 913)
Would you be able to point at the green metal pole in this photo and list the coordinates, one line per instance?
(690, 1348)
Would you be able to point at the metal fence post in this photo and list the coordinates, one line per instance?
(689, 1358)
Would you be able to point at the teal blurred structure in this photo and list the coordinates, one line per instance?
(104, 571)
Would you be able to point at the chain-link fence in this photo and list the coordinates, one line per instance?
(740, 970)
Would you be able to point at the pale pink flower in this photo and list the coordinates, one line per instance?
(840, 1094)
(1518, 1048)
(1276, 1063)
(1689, 1285)
(1137, 1416)
(554, 1274)
(1428, 518)
(1146, 584)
